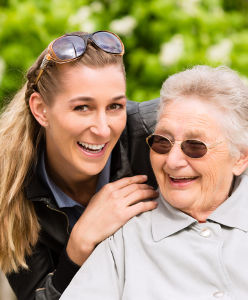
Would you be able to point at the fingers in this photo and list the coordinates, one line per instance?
(129, 189)
(125, 186)
(139, 195)
(141, 207)
(121, 183)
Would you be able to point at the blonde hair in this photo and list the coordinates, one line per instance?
(221, 87)
(20, 135)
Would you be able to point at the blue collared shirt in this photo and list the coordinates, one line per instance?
(72, 208)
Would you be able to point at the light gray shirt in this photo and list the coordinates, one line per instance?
(165, 254)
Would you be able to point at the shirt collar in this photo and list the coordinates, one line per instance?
(61, 198)
(167, 220)
(233, 212)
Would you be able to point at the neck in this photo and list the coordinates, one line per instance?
(202, 210)
(80, 190)
(202, 213)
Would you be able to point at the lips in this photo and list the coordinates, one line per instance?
(91, 148)
(182, 179)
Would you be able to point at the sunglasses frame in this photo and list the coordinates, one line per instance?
(208, 146)
(51, 56)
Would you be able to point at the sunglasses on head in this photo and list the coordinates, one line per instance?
(192, 148)
(70, 47)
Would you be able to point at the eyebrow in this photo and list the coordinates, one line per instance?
(80, 99)
(119, 97)
(196, 134)
(88, 99)
(193, 134)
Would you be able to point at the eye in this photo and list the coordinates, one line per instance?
(81, 108)
(115, 106)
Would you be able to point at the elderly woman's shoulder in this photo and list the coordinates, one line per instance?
(137, 228)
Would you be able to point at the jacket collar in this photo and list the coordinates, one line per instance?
(35, 189)
(120, 166)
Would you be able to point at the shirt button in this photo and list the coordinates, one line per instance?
(218, 294)
(206, 232)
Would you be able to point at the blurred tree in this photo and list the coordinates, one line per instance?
(161, 37)
(238, 5)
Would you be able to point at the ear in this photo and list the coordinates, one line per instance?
(241, 163)
(38, 109)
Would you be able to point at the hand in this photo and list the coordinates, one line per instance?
(107, 211)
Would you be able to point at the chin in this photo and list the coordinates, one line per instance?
(178, 201)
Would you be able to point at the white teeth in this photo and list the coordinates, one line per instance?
(192, 177)
(91, 146)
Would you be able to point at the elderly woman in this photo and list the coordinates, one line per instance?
(194, 245)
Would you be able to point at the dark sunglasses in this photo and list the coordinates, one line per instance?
(192, 148)
(70, 47)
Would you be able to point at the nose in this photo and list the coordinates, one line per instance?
(176, 158)
(100, 125)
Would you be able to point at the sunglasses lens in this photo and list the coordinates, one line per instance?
(159, 144)
(194, 148)
(69, 47)
(108, 42)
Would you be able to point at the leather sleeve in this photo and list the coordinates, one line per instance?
(48, 291)
(49, 256)
(42, 281)
(25, 282)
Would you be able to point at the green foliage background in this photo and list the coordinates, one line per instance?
(161, 36)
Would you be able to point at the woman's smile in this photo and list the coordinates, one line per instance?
(181, 181)
(92, 150)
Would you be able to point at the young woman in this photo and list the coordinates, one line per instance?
(65, 174)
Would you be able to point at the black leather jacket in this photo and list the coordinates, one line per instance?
(50, 269)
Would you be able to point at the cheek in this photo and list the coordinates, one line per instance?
(153, 161)
(215, 170)
(209, 168)
(119, 124)
(64, 127)
(157, 163)
(210, 177)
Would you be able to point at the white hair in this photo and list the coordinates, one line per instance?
(219, 86)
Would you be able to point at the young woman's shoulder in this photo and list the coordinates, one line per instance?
(141, 116)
